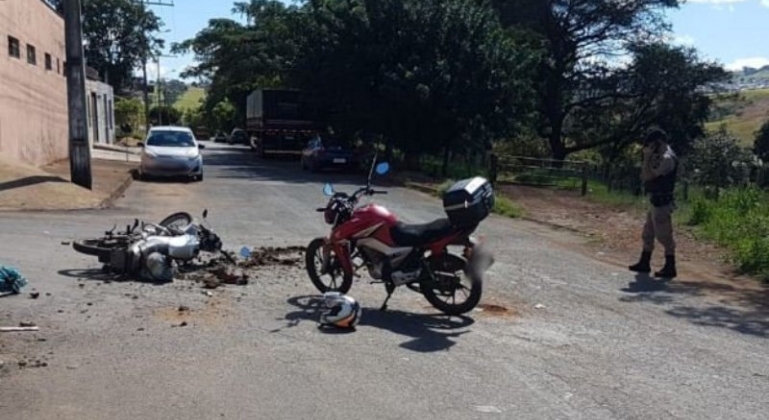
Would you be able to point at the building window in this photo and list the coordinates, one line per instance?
(31, 56)
(13, 47)
(48, 62)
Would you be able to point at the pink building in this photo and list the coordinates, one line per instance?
(33, 86)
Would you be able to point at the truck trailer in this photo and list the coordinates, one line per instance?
(279, 122)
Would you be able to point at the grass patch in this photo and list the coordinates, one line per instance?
(190, 99)
(739, 221)
(504, 206)
(745, 116)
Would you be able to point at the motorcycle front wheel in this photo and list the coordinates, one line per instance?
(449, 281)
(322, 263)
(177, 221)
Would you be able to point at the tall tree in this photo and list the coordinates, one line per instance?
(431, 75)
(583, 40)
(235, 58)
(117, 35)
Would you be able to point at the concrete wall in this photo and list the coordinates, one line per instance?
(33, 100)
(101, 112)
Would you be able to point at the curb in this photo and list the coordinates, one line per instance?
(110, 201)
(113, 148)
(420, 187)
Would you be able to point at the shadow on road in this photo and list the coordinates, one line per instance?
(428, 332)
(740, 309)
(97, 274)
(30, 180)
(241, 163)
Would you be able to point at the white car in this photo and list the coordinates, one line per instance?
(171, 151)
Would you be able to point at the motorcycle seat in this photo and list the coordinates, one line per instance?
(421, 234)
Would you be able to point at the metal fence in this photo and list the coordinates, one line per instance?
(540, 172)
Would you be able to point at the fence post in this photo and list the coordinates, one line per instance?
(584, 180)
(493, 168)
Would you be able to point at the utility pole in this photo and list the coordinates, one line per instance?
(144, 4)
(159, 88)
(79, 148)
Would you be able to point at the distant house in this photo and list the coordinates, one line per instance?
(33, 101)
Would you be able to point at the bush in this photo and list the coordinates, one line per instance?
(739, 221)
(700, 212)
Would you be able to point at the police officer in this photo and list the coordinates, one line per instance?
(659, 171)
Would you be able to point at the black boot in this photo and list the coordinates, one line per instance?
(642, 266)
(669, 270)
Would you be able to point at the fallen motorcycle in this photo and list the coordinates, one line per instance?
(399, 254)
(150, 250)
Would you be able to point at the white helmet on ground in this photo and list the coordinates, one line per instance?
(341, 311)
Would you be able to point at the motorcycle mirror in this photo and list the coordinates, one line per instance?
(328, 190)
(383, 168)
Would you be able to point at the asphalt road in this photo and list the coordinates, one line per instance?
(572, 339)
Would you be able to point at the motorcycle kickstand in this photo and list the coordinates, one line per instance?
(390, 289)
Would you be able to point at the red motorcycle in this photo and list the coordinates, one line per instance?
(398, 254)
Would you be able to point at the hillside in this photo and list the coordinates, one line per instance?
(743, 114)
(751, 75)
(190, 99)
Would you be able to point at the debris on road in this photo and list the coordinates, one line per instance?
(183, 308)
(11, 281)
(267, 256)
(539, 306)
(18, 329)
(34, 295)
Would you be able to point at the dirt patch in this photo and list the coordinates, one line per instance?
(216, 271)
(614, 236)
(214, 312)
(495, 310)
(287, 256)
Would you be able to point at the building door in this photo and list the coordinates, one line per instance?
(95, 107)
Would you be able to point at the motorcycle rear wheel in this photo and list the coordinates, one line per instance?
(448, 271)
(101, 247)
(314, 265)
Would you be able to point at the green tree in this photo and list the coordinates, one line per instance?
(761, 143)
(718, 160)
(429, 75)
(579, 76)
(128, 113)
(660, 87)
(165, 115)
(117, 35)
(224, 116)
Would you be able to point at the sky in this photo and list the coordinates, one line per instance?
(731, 32)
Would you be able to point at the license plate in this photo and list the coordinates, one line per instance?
(339, 160)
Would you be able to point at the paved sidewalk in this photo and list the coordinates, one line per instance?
(25, 187)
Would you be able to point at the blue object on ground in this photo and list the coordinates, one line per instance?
(11, 280)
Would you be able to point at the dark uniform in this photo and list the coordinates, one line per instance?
(659, 173)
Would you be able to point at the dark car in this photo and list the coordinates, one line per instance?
(220, 137)
(325, 153)
(239, 136)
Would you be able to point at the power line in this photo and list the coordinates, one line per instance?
(144, 4)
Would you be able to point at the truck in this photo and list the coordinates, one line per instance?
(279, 122)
